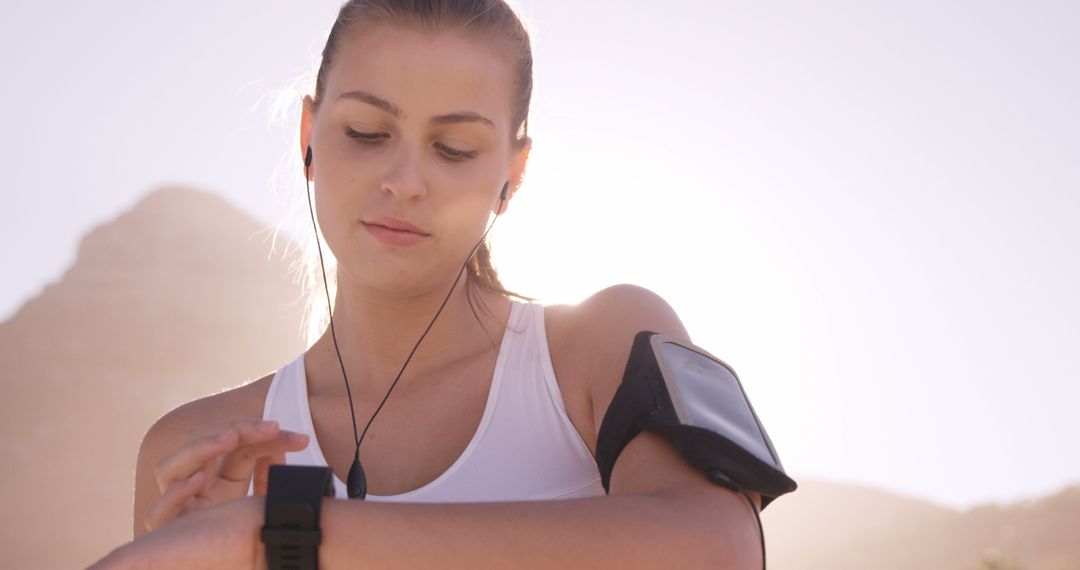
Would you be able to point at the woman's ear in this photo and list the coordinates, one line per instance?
(516, 175)
(307, 119)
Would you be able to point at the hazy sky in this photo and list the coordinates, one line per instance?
(868, 208)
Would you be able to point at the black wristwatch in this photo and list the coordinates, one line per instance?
(291, 531)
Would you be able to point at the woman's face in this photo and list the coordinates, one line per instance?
(414, 126)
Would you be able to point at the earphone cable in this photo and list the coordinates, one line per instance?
(359, 439)
(329, 310)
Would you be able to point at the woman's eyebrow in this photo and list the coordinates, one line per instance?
(458, 117)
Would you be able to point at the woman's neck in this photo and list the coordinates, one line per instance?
(376, 332)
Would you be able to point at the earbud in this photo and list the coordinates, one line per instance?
(307, 157)
(502, 198)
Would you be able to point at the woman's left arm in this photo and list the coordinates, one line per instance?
(661, 512)
(696, 525)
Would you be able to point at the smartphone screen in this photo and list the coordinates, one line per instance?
(707, 394)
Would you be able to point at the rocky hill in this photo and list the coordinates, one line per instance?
(175, 299)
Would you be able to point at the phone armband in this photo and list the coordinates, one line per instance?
(679, 391)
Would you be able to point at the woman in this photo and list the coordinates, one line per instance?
(419, 118)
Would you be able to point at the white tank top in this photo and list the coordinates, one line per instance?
(525, 448)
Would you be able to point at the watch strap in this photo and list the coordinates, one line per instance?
(293, 504)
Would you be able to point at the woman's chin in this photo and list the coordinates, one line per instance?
(402, 282)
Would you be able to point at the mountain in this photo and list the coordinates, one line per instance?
(831, 526)
(175, 299)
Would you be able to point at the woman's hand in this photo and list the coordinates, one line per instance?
(216, 466)
(223, 537)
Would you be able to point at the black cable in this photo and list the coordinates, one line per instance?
(326, 288)
(761, 531)
(417, 345)
(357, 484)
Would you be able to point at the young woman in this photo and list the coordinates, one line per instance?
(483, 453)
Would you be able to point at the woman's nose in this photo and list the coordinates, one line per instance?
(405, 178)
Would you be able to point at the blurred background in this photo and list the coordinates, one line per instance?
(869, 209)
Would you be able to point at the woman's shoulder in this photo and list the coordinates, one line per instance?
(613, 314)
(590, 343)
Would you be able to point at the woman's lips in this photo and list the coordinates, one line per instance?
(394, 237)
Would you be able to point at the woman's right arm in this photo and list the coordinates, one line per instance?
(190, 459)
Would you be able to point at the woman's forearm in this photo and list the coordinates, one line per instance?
(628, 531)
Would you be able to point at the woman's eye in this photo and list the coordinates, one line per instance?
(374, 138)
(455, 154)
(364, 137)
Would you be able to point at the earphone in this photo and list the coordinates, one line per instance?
(357, 483)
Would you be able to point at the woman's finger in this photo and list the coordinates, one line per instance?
(191, 457)
(173, 502)
(199, 453)
(239, 464)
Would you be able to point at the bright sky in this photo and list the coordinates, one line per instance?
(869, 209)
